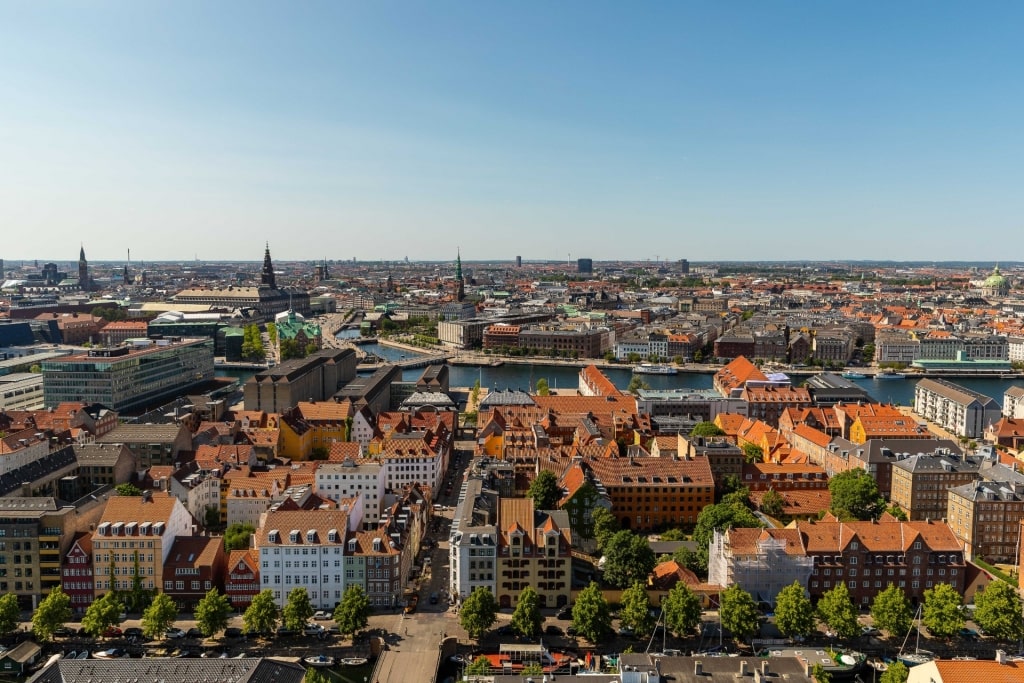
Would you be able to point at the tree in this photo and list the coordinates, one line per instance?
(102, 614)
(681, 609)
(689, 559)
(794, 613)
(297, 609)
(478, 612)
(636, 385)
(212, 517)
(943, 611)
(772, 503)
(545, 491)
(542, 387)
(897, 512)
(820, 675)
(237, 535)
(474, 394)
(590, 615)
(10, 614)
(999, 612)
(896, 673)
(481, 666)
(891, 611)
(159, 616)
(526, 620)
(128, 490)
(753, 453)
(855, 495)
(212, 612)
(353, 612)
(836, 609)
(51, 614)
(319, 453)
(721, 516)
(262, 614)
(252, 343)
(730, 482)
(739, 612)
(605, 524)
(628, 558)
(533, 669)
(706, 429)
(635, 609)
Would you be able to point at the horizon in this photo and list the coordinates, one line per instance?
(740, 133)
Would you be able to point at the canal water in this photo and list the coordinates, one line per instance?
(515, 376)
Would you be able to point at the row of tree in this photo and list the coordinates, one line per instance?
(252, 343)
(211, 613)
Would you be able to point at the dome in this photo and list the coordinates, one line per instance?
(996, 280)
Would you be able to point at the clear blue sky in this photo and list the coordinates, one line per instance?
(712, 130)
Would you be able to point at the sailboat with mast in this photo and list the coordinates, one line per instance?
(918, 656)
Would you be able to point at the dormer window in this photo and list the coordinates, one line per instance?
(332, 535)
(293, 535)
(376, 545)
(310, 536)
(274, 536)
(351, 545)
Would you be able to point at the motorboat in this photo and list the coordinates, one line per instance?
(654, 369)
(353, 661)
(890, 374)
(319, 661)
(850, 374)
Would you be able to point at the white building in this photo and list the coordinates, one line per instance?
(419, 457)
(21, 391)
(473, 541)
(955, 408)
(304, 548)
(1013, 402)
(760, 561)
(349, 479)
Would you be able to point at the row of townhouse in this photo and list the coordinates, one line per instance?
(866, 556)
(906, 346)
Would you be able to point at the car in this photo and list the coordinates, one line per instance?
(133, 632)
(433, 598)
(112, 632)
(232, 632)
(869, 631)
(284, 631)
(552, 630)
(174, 633)
(505, 630)
(571, 631)
(321, 615)
(626, 631)
(565, 612)
(64, 632)
(313, 629)
(194, 633)
(968, 633)
(334, 630)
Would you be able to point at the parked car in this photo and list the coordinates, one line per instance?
(552, 630)
(313, 629)
(571, 631)
(284, 631)
(193, 633)
(868, 631)
(565, 612)
(113, 632)
(232, 632)
(133, 632)
(64, 632)
(174, 634)
(321, 615)
(969, 633)
(626, 631)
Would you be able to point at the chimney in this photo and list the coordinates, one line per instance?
(764, 668)
(807, 668)
(743, 668)
(1000, 656)
(698, 668)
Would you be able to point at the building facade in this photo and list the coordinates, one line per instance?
(958, 409)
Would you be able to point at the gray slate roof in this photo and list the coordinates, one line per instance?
(164, 670)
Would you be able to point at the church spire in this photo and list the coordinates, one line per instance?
(84, 282)
(461, 291)
(267, 278)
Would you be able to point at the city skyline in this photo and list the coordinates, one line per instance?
(790, 132)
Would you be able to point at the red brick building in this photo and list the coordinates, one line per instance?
(76, 572)
(243, 577)
(194, 566)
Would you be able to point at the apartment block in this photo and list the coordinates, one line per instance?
(920, 483)
(957, 409)
(986, 517)
(534, 549)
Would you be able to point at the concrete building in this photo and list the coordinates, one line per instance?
(920, 483)
(21, 391)
(986, 517)
(955, 408)
(473, 541)
(128, 376)
(151, 444)
(350, 478)
(314, 378)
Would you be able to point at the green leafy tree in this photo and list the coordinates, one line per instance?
(628, 558)
(128, 490)
(159, 616)
(51, 614)
(681, 609)
(636, 385)
(319, 453)
(542, 387)
(739, 612)
(590, 614)
(720, 516)
(353, 612)
(896, 673)
(673, 535)
(635, 609)
(478, 612)
(706, 429)
(237, 535)
(606, 525)
(890, 611)
(262, 614)
(272, 333)
(836, 609)
(855, 495)
(689, 559)
(10, 614)
(943, 612)
(211, 517)
(998, 611)
(297, 610)
(474, 394)
(481, 666)
(730, 482)
(820, 675)
(794, 613)
(753, 453)
(897, 512)
(212, 612)
(533, 669)
(545, 491)
(102, 614)
(740, 496)
(526, 619)
(772, 503)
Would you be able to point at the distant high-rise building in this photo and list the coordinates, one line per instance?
(519, 262)
(684, 266)
(1, 269)
(585, 265)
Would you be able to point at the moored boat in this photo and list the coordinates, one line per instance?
(319, 661)
(850, 374)
(890, 374)
(353, 661)
(654, 369)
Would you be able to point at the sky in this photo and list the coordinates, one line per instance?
(760, 130)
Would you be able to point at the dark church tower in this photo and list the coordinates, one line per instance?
(461, 292)
(267, 279)
(84, 283)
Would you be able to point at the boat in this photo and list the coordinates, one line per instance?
(654, 369)
(850, 374)
(890, 374)
(353, 661)
(71, 655)
(319, 661)
(112, 653)
(918, 656)
(84, 654)
(878, 665)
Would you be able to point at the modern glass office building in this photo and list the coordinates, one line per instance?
(127, 376)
